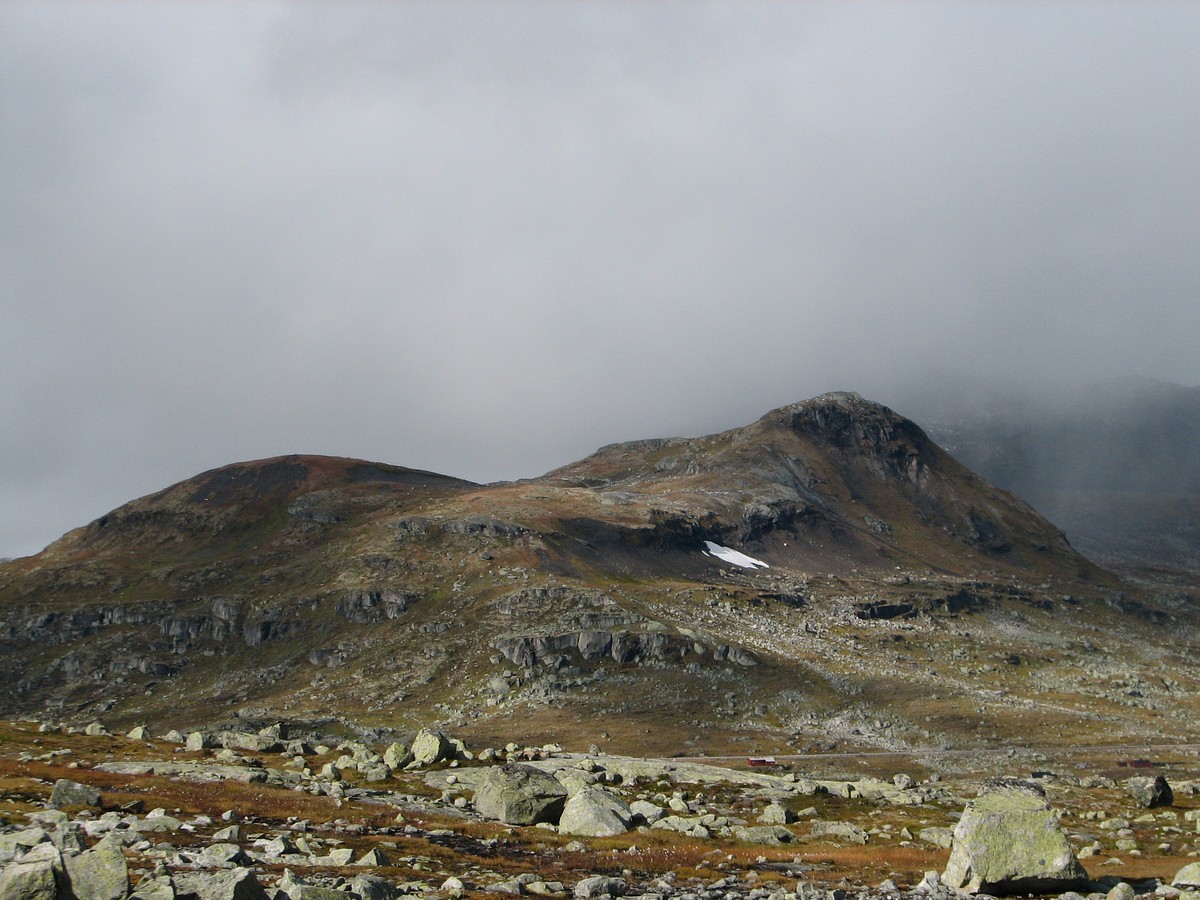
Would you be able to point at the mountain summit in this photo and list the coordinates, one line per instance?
(814, 577)
(835, 483)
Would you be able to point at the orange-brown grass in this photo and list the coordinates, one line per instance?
(656, 855)
(872, 863)
(1133, 868)
(659, 852)
(188, 797)
(89, 750)
(21, 794)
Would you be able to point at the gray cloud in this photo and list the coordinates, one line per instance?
(486, 238)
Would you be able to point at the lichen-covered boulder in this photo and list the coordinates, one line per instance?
(100, 873)
(28, 881)
(40, 875)
(600, 886)
(430, 747)
(293, 888)
(646, 811)
(1008, 841)
(1188, 877)
(776, 814)
(397, 756)
(372, 887)
(520, 795)
(594, 812)
(154, 887)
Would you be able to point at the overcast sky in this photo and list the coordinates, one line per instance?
(486, 238)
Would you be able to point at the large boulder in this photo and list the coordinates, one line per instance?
(646, 811)
(1008, 841)
(372, 887)
(256, 743)
(776, 814)
(100, 873)
(198, 740)
(430, 747)
(847, 830)
(520, 795)
(594, 812)
(1150, 791)
(72, 793)
(600, 886)
(293, 888)
(16, 844)
(154, 887)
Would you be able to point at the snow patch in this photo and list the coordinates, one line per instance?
(733, 556)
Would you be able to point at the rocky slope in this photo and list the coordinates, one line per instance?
(826, 576)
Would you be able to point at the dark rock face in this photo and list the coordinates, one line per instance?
(483, 525)
(622, 647)
(1150, 791)
(227, 485)
(895, 446)
(368, 606)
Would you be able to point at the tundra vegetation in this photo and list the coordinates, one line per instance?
(289, 811)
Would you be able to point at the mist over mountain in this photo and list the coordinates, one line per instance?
(1116, 464)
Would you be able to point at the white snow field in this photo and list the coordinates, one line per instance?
(733, 556)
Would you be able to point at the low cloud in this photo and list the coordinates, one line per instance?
(485, 239)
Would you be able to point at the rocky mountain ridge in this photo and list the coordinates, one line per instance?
(894, 599)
